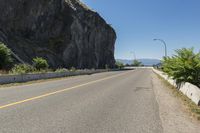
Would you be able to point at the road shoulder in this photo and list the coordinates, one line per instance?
(173, 113)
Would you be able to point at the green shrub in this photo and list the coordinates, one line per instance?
(183, 67)
(22, 69)
(40, 63)
(5, 57)
(119, 65)
(137, 63)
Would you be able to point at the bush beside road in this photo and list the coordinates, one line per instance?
(182, 71)
(183, 67)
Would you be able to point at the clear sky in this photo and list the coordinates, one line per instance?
(138, 22)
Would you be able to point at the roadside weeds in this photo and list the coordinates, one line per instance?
(192, 108)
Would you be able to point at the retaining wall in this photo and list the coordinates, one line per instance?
(5, 79)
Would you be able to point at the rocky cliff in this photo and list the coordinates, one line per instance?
(65, 32)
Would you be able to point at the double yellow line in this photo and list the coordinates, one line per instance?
(59, 91)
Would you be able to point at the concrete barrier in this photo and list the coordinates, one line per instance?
(6, 79)
(188, 89)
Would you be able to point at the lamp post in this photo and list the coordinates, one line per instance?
(133, 54)
(163, 42)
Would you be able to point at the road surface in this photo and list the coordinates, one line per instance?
(111, 102)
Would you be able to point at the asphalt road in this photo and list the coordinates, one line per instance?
(111, 102)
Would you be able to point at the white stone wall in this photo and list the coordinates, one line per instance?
(188, 89)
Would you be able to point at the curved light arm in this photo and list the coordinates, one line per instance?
(163, 42)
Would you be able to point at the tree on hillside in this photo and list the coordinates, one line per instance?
(5, 57)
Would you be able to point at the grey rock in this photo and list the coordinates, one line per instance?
(65, 32)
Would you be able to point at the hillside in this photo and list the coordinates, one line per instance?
(65, 32)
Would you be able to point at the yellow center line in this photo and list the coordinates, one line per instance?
(59, 91)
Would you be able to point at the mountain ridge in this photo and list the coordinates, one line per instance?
(145, 61)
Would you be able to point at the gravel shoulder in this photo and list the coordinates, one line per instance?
(173, 113)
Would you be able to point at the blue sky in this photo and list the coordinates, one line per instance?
(137, 22)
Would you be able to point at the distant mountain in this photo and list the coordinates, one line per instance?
(146, 62)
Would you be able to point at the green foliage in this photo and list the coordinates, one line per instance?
(22, 69)
(40, 63)
(183, 67)
(137, 63)
(5, 57)
(119, 65)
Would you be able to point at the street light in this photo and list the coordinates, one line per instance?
(163, 42)
(133, 54)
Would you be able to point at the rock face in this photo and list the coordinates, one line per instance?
(65, 32)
